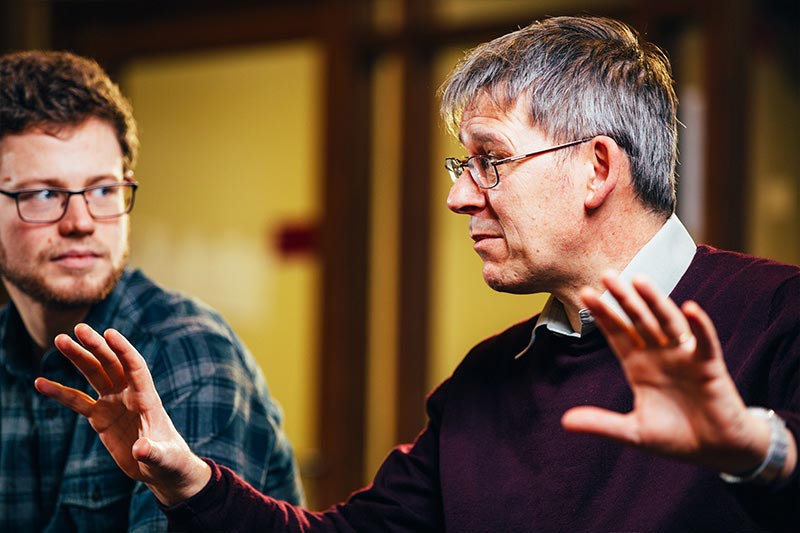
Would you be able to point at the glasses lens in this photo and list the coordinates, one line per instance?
(454, 168)
(481, 171)
(43, 205)
(109, 201)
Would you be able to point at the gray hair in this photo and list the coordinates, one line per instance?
(581, 76)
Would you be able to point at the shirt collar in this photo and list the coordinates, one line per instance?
(664, 260)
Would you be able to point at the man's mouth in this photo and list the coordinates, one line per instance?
(76, 258)
(477, 237)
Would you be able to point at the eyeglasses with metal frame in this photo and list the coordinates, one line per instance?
(47, 205)
(479, 165)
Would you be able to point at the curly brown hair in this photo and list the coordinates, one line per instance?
(51, 90)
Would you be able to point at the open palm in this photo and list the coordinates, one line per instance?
(128, 414)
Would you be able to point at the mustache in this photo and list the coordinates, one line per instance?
(75, 249)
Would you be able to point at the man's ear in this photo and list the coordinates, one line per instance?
(607, 163)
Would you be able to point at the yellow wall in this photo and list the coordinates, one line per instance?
(229, 154)
(383, 303)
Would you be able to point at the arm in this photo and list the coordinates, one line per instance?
(133, 425)
(686, 404)
(218, 401)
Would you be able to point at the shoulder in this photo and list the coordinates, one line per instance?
(163, 313)
(734, 281)
(716, 266)
(180, 335)
(752, 301)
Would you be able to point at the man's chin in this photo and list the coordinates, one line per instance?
(65, 302)
(500, 283)
(504, 280)
(69, 294)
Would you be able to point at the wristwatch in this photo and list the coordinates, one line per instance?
(772, 465)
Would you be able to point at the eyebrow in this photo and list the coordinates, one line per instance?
(58, 183)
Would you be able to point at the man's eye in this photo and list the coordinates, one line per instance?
(101, 192)
(42, 195)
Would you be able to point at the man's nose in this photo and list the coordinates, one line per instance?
(465, 196)
(77, 218)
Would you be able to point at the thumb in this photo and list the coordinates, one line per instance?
(148, 452)
(172, 473)
(601, 422)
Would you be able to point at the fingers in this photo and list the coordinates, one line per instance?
(601, 422)
(86, 363)
(671, 320)
(78, 401)
(109, 362)
(618, 332)
(97, 345)
(134, 365)
(655, 320)
(703, 330)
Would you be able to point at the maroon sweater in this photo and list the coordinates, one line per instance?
(494, 457)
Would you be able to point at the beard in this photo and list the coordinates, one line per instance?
(83, 293)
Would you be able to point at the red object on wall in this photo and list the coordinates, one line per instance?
(296, 239)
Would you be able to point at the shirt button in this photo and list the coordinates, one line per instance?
(96, 494)
(51, 412)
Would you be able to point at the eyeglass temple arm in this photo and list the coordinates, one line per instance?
(541, 152)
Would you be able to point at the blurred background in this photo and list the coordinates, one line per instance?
(292, 177)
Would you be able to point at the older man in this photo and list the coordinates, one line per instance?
(67, 151)
(615, 409)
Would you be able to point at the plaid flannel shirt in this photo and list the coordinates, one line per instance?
(55, 474)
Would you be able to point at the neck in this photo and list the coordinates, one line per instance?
(43, 323)
(611, 245)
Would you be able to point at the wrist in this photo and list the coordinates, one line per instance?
(780, 457)
(172, 492)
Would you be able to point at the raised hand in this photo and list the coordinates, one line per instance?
(686, 404)
(128, 415)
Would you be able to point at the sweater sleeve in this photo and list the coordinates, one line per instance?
(404, 496)
(776, 506)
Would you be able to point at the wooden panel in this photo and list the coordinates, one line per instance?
(344, 232)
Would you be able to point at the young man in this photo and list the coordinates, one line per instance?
(67, 150)
(621, 411)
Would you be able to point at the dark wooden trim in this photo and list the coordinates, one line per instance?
(727, 150)
(413, 349)
(345, 259)
(118, 31)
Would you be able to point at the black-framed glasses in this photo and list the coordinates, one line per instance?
(104, 201)
(479, 165)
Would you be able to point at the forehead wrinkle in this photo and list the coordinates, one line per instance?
(479, 134)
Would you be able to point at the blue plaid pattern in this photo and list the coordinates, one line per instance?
(55, 474)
